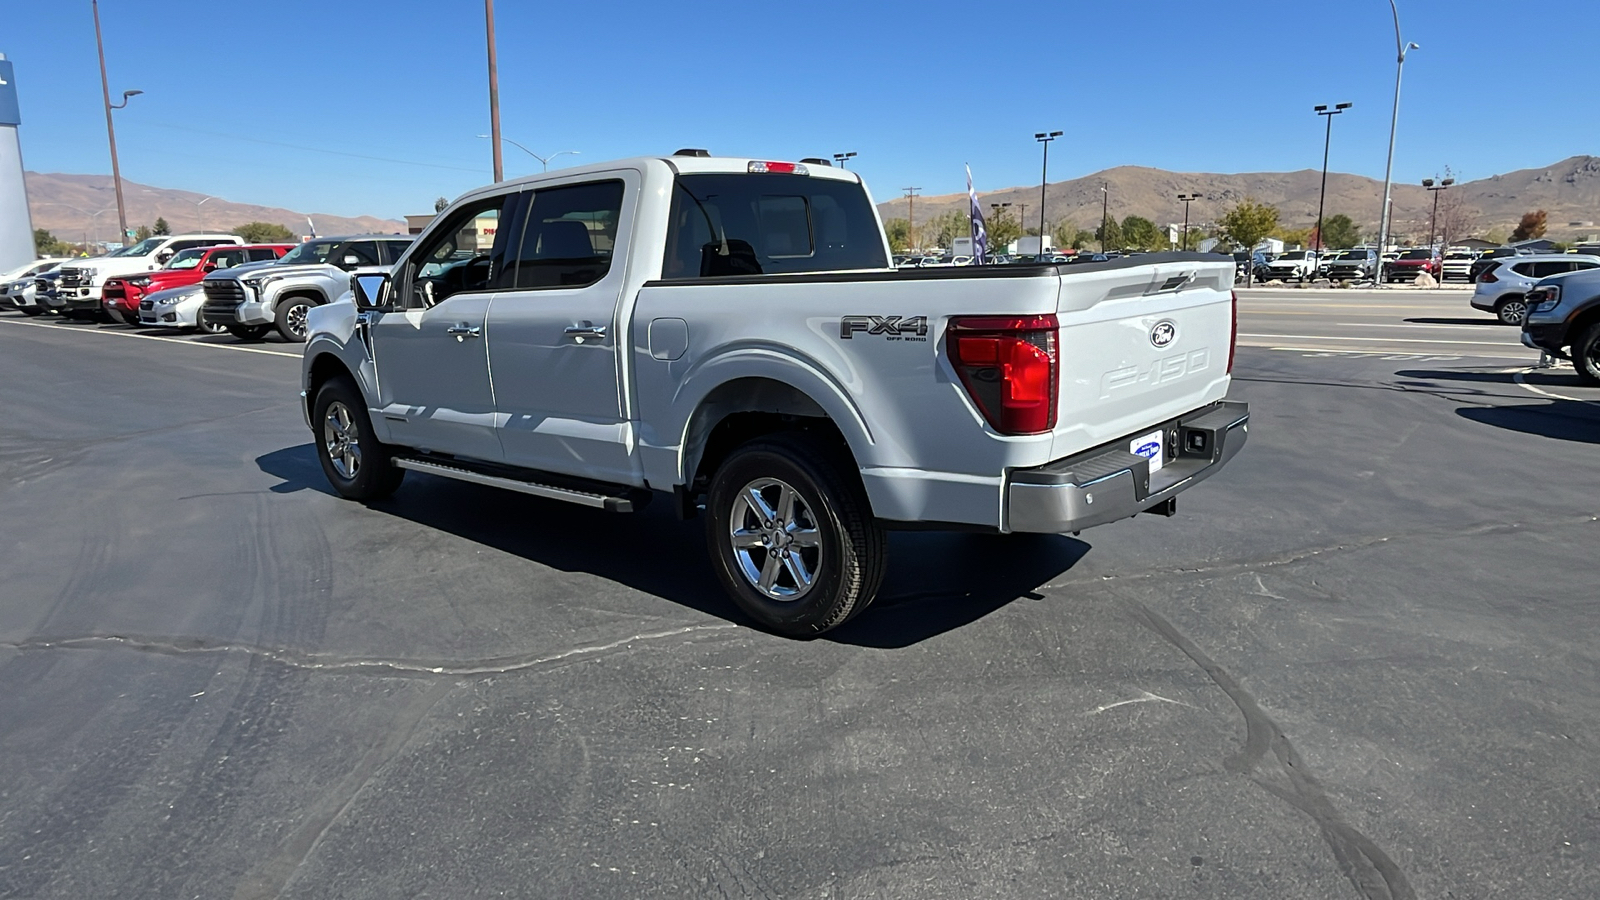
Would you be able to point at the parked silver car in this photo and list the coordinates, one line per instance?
(1352, 265)
(1502, 288)
(177, 307)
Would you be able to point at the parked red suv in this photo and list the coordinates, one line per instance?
(1411, 264)
(121, 295)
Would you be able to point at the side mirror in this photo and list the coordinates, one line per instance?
(371, 290)
(350, 259)
(209, 267)
(164, 257)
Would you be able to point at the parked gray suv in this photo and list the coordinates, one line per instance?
(249, 301)
(1564, 320)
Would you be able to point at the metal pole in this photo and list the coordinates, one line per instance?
(1322, 195)
(1044, 177)
(494, 92)
(111, 131)
(1394, 123)
(1433, 221)
(911, 215)
(1105, 210)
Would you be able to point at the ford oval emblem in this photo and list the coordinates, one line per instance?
(1165, 332)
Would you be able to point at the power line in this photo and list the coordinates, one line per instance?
(235, 137)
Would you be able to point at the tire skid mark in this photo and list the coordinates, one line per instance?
(1363, 862)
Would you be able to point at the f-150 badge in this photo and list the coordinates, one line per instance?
(894, 328)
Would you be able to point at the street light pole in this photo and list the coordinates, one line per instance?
(200, 208)
(111, 131)
(844, 158)
(1327, 141)
(1435, 190)
(995, 209)
(1402, 49)
(543, 160)
(1044, 176)
(1187, 199)
(911, 215)
(494, 91)
(1105, 211)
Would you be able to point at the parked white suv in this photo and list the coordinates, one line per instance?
(1296, 265)
(1503, 287)
(81, 283)
(17, 285)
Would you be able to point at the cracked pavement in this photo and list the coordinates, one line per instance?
(1361, 662)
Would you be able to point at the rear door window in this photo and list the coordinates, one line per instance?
(356, 254)
(568, 235)
(392, 250)
(747, 224)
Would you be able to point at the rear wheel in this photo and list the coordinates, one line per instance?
(792, 536)
(357, 465)
(291, 319)
(249, 333)
(1586, 355)
(204, 327)
(1511, 310)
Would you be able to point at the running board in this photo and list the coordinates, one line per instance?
(607, 502)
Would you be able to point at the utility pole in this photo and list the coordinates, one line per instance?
(1327, 140)
(494, 92)
(1105, 210)
(1435, 190)
(111, 130)
(1044, 175)
(1187, 199)
(911, 215)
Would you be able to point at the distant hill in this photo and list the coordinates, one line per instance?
(1569, 191)
(55, 199)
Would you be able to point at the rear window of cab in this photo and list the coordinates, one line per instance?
(769, 224)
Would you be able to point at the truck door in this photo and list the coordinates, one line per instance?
(553, 334)
(430, 350)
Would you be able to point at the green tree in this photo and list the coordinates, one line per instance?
(1109, 234)
(440, 204)
(1065, 234)
(265, 233)
(1340, 233)
(899, 233)
(161, 227)
(944, 228)
(47, 244)
(1531, 227)
(1247, 223)
(1003, 229)
(142, 232)
(1139, 233)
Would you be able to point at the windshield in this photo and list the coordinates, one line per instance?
(143, 248)
(1295, 254)
(188, 259)
(1353, 254)
(309, 252)
(1417, 254)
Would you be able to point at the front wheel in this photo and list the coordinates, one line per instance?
(249, 333)
(31, 310)
(792, 536)
(291, 319)
(1511, 311)
(1586, 355)
(201, 326)
(357, 465)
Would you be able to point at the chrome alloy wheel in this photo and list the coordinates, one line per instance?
(775, 539)
(342, 439)
(295, 319)
(1512, 312)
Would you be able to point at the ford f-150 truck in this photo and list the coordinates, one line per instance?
(82, 282)
(729, 332)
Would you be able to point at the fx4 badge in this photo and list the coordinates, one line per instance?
(893, 328)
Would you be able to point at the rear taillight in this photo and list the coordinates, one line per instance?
(1010, 367)
(1488, 275)
(1233, 331)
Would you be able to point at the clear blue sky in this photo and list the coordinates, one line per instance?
(916, 88)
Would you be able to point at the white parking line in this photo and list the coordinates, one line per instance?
(1334, 337)
(1378, 352)
(1486, 326)
(59, 329)
(1518, 374)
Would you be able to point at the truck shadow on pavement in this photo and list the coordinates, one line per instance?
(1560, 419)
(937, 581)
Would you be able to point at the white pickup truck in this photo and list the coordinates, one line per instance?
(729, 332)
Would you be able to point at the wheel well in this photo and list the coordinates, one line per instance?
(1580, 324)
(1503, 299)
(315, 298)
(739, 412)
(325, 368)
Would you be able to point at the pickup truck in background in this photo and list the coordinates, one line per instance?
(252, 300)
(82, 283)
(729, 333)
(122, 295)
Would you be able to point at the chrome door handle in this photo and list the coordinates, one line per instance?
(580, 332)
(464, 331)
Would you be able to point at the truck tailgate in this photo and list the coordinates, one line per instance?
(1139, 346)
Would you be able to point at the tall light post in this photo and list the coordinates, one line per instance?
(1435, 190)
(543, 160)
(1105, 212)
(843, 158)
(1327, 140)
(111, 131)
(200, 209)
(995, 209)
(1186, 200)
(94, 218)
(1401, 51)
(494, 90)
(911, 215)
(1044, 175)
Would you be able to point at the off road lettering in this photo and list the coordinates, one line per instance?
(894, 327)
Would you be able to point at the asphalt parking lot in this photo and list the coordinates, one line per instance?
(1360, 662)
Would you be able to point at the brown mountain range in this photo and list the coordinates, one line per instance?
(65, 204)
(1569, 191)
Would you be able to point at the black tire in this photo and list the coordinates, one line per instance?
(201, 326)
(830, 508)
(356, 464)
(1586, 355)
(1511, 310)
(31, 310)
(290, 319)
(249, 333)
